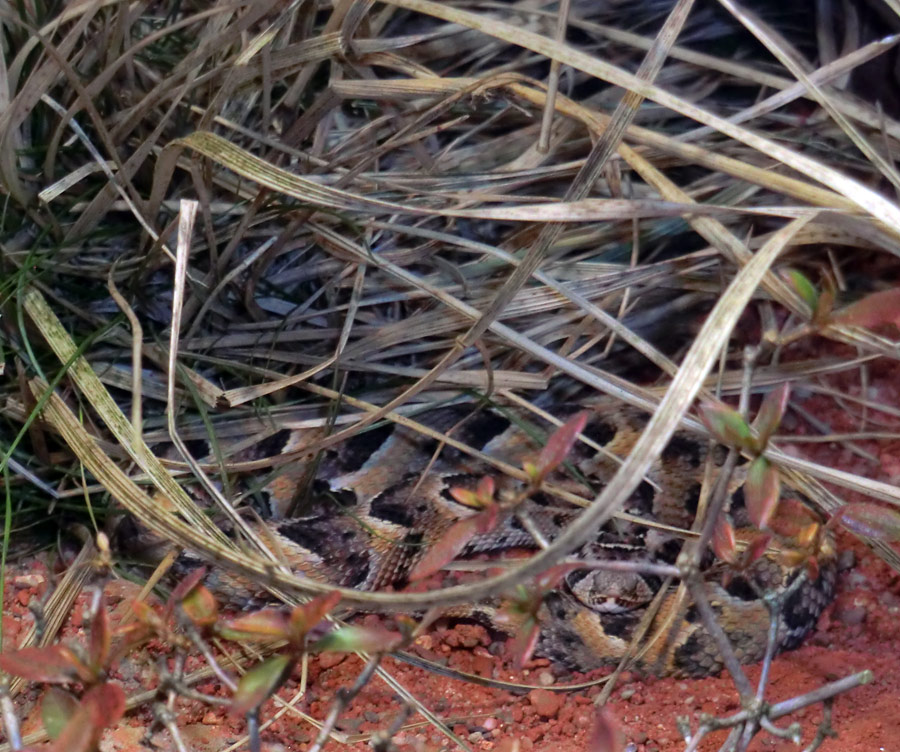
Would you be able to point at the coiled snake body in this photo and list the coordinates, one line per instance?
(383, 498)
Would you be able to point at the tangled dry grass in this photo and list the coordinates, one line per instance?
(221, 220)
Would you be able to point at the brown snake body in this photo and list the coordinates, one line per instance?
(382, 499)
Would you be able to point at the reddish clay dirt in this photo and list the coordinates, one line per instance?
(859, 631)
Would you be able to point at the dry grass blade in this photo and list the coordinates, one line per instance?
(97, 395)
(865, 198)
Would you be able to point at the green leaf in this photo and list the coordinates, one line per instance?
(57, 709)
(805, 288)
(762, 490)
(872, 520)
(261, 682)
(353, 639)
(771, 411)
(728, 426)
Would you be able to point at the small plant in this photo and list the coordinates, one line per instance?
(489, 510)
(76, 720)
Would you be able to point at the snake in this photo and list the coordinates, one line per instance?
(379, 501)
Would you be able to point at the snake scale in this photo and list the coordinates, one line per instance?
(382, 498)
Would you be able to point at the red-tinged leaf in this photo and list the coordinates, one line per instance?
(78, 735)
(724, 543)
(354, 639)
(791, 518)
(606, 734)
(200, 606)
(755, 549)
(812, 568)
(810, 535)
(525, 641)
(454, 541)
(262, 626)
(184, 587)
(57, 709)
(871, 520)
(871, 311)
(101, 638)
(465, 497)
(305, 616)
(762, 491)
(805, 288)
(261, 682)
(100, 707)
(826, 306)
(133, 632)
(560, 444)
(144, 612)
(728, 426)
(105, 704)
(487, 520)
(54, 664)
(771, 411)
(485, 490)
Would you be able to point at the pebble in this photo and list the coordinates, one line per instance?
(210, 719)
(851, 616)
(329, 660)
(371, 716)
(627, 693)
(846, 560)
(546, 703)
(483, 666)
(349, 725)
(546, 679)
(28, 580)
